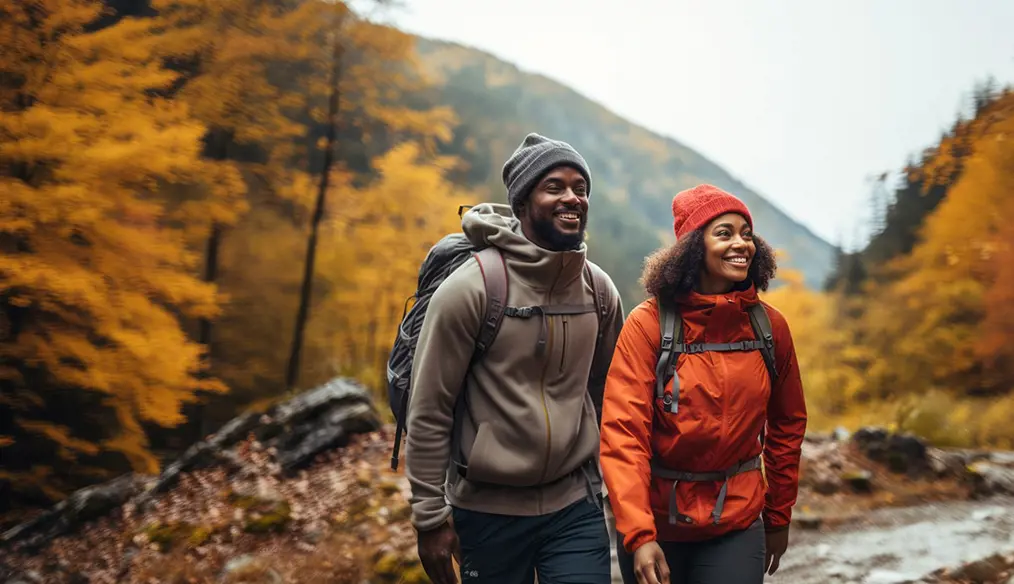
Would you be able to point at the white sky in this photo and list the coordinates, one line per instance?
(801, 100)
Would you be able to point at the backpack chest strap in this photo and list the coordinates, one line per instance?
(543, 312)
(694, 348)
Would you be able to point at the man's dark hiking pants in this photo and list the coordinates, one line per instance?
(734, 558)
(570, 546)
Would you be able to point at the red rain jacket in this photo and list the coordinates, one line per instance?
(725, 400)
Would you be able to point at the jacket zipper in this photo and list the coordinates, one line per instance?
(542, 382)
(545, 404)
(563, 350)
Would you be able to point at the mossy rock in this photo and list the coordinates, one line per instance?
(401, 511)
(389, 488)
(392, 567)
(364, 477)
(264, 514)
(271, 519)
(356, 511)
(861, 481)
(168, 535)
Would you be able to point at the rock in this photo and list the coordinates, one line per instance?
(902, 453)
(988, 479)
(168, 535)
(807, 520)
(946, 463)
(84, 505)
(29, 577)
(249, 570)
(826, 484)
(264, 510)
(987, 569)
(391, 568)
(333, 431)
(296, 431)
(860, 481)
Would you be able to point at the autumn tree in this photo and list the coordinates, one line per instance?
(830, 362)
(93, 270)
(362, 97)
(376, 241)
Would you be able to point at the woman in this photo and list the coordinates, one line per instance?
(667, 448)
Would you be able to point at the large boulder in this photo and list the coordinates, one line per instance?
(295, 431)
(901, 453)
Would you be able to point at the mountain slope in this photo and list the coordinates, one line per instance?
(635, 172)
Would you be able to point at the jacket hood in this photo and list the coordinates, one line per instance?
(494, 224)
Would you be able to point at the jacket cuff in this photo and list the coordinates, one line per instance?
(640, 540)
(429, 521)
(768, 528)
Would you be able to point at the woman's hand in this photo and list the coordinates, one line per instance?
(650, 566)
(776, 542)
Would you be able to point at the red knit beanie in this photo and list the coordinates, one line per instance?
(694, 208)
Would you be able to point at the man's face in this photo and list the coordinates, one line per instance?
(556, 213)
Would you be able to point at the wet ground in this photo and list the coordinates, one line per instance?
(899, 545)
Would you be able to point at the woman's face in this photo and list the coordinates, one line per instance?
(728, 253)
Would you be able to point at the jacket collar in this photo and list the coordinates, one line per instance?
(743, 295)
(539, 268)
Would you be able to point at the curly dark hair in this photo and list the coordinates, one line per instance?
(673, 271)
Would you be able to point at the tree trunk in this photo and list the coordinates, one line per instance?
(292, 373)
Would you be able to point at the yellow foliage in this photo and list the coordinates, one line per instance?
(926, 322)
(828, 358)
(932, 329)
(100, 277)
(375, 242)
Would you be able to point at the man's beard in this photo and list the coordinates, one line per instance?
(557, 241)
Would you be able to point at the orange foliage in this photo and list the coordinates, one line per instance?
(94, 275)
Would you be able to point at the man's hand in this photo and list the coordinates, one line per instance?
(776, 542)
(436, 547)
(650, 566)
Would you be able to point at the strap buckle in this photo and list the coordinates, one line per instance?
(523, 312)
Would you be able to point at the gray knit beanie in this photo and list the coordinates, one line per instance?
(533, 158)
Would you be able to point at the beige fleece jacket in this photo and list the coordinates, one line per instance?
(533, 419)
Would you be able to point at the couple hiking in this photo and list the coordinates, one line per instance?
(540, 418)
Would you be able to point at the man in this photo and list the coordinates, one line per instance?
(519, 451)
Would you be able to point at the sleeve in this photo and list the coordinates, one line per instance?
(786, 424)
(611, 327)
(627, 411)
(444, 349)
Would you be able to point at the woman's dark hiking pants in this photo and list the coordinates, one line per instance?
(734, 558)
(570, 546)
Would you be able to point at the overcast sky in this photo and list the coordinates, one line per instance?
(801, 100)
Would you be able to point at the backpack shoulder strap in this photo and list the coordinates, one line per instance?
(494, 276)
(761, 324)
(670, 323)
(603, 293)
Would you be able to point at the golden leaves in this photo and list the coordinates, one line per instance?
(101, 275)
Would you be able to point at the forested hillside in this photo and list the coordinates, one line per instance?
(917, 327)
(636, 171)
(204, 206)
